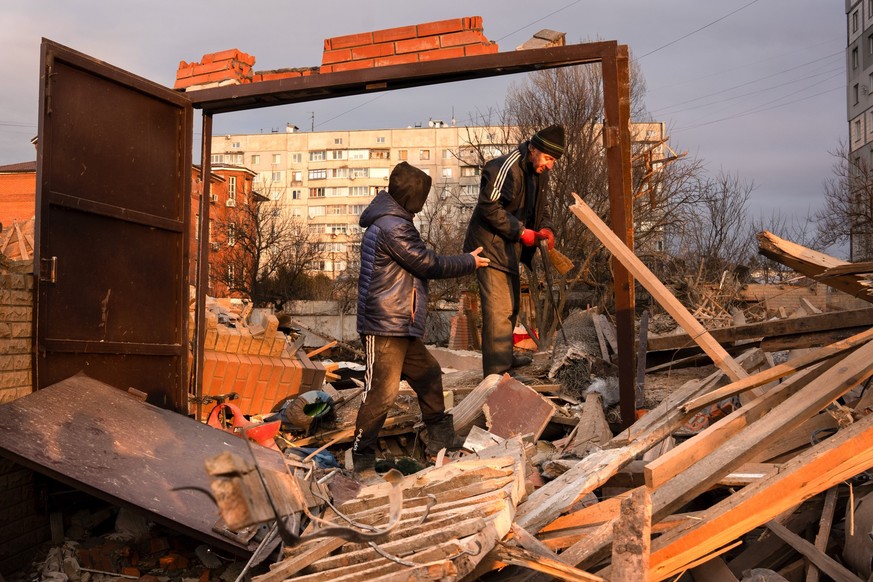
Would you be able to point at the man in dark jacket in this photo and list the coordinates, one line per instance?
(509, 218)
(392, 307)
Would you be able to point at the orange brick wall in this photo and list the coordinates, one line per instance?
(17, 197)
(444, 39)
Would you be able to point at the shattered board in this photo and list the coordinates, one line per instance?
(451, 517)
(514, 409)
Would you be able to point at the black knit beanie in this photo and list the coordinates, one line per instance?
(550, 140)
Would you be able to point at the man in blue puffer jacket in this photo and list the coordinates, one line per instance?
(392, 307)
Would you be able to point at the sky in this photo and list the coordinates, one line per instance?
(754, 88)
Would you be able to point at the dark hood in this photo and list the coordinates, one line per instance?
(409, 186)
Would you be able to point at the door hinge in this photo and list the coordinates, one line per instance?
(48, 270)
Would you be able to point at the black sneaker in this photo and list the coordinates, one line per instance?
(521, 360)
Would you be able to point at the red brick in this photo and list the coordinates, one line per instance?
(446, 26)
(224, 55)
(373, 51)
(462, 38)
(273, 76)
(393, 34)
(350, 40)
(229, 381)
(417, 45)
(446, 53)
(397, 60)
(208, 367)
(221, 361)
(351, 66)
(481, 49)
(337, 56)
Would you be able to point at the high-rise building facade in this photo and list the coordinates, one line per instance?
(325, 179)
(859, 106)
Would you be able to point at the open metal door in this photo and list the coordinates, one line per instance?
(112, 216)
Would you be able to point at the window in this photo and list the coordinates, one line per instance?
(358, 173)
(447, 173)
(231, 187)
(338, 191)
(297, 158)
(316, 211)
(855, 58)
(356, 209)
(379, 154)
(359, 154)
(231, 235)
(338, 140)
(317, 174)
(855, 21)
(338, 154)
(855, 93)
(316, 156)
(297, 212)
(447, 154)
(235, 145)
(297, 176)
(856, 134)
(335, 228)
(403, 155)
(359, 191)
(336, 209)
(256, 159)
(316, 192)
(423, 154)
(276, 176)
(277, 158)
(339, 173)
(296, 194)
(231, 275)
(381, 139)
(470, 171)
(316, 229)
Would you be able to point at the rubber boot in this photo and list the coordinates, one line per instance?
(441, 435)
(365, 468)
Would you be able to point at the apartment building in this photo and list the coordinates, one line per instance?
(859, 106)
(326, 179)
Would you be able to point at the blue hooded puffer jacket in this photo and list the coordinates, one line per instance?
(395, 263)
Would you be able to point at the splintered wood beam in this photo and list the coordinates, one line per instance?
(828, 463)
(632, 538)
(821, 560)
(780, 371)
(824, 531)
(659, 291)
(811, 263)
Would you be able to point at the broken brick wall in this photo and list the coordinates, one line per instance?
(443, 39)
(24, 524)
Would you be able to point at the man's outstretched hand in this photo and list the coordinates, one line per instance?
(480, 261)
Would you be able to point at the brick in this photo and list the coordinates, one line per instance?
(221, 361)
(210, 339)
(278, 347)
(336, 56)
(446, 53)
(223, 338)
(276, 75)
(14, 346)
(372, 51)
(397, 60)
(229, 381)
(15, 379)
(462, 38)
(394, 34)
(233, 340)
(351, 66)
(245, 341)
(10, 394)
(15, 362)
(350, 40)
(447, 26)
(417, 45)
(256, 345)
(481, 49)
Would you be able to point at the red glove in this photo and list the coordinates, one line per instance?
(528, 237)
(547, 235)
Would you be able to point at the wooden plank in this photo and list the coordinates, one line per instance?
(819, 322)
(601, 339)
(824, 531)
(824, 562)
(705, 443)
(779, 371)
(810, 263)
(840, 457)
(800, 406)
(469, 411)
(632, 538)
(659, 291)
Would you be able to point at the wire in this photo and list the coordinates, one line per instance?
(540, 20)
(672, 42)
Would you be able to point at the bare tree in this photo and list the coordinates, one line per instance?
(267, 255)
(847, 214)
